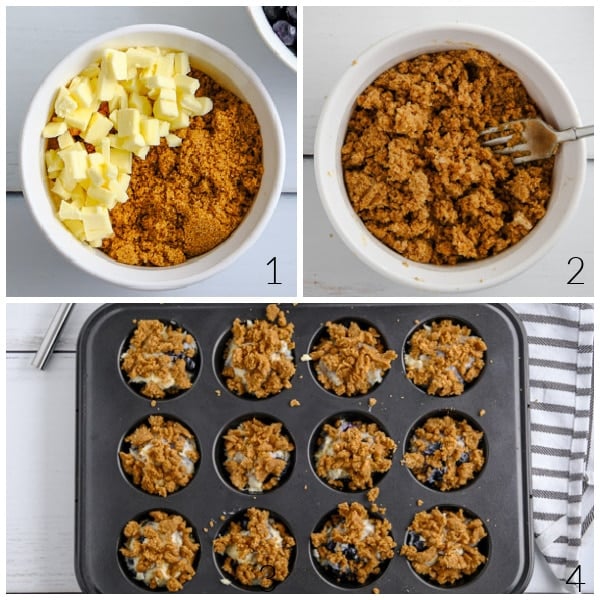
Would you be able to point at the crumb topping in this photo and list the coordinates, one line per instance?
(353, 545)
(351, 453)
(350, 360)
(443, 545)
(443, 356)
(258, 357)
(160, 551)
(161, 457)
(160, 358)
(256, 550)
(444, 453)
(415, 169)
(256, 455)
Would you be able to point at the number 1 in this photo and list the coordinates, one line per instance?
(274, 262)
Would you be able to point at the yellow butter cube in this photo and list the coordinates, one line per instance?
(173, 140)
(75, 160)
(140, 58)
(64, 103)
(164, 65)
(110, 171)
(133, 143)
(67, 180)
(122, 159)
(150, 130)
(183, 120)
(115, 62)
(83, 93)
(141, 103)
(60, 191)
(98, 128)
(95, 159)
(186, 85)
(165, 109)
(54, 129)
(106, 86)
(120, 98)
(65, 140)
(69, 211)
(79, 118)
(164, 128)
(75, 227)
(181, 64)
(53, 161)
(156, 82)
(96, 175)
(128, 122)
(142, 152)
(100, 196)
(105, 149)
(195, 106)
(96, 223)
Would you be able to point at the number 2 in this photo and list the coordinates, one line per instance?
(572, 280)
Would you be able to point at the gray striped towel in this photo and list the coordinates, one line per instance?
(560, 339)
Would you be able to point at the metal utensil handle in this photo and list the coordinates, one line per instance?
(50, 338)
(574, 133)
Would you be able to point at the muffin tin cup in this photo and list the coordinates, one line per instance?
(106, 408)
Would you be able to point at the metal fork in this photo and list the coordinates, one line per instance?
(538, 139)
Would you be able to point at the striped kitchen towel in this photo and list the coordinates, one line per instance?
(560, 339)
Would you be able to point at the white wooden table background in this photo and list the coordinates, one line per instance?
(562, 36)
(37, 38)
(40, 465)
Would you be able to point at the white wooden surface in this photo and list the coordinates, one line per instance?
(560, 35)
(39, 37)
(40, 464)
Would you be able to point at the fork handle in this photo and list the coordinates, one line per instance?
(574, 133)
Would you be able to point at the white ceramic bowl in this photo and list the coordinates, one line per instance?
(270, 37)
(543, 85)
(227, 69)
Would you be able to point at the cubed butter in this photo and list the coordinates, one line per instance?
(65, 140)
(140, 58)
(68, 211)
(75, 227)
(79, 118)
(54, 129)
(165, 109)
(100, 196)
(122, 159)
(64, 103)
(75, 161)
(141, 103)
(181, 64)
(151, 131)
(128, 122)
(165, 64)
(83, 92)
(53, 161)
(98, 128)
(173, 140)
(185, 84)
(96, 223)
(116, 63)
(106, 86)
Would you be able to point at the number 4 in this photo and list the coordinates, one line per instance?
(578, 583)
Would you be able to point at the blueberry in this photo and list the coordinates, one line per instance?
(331, 546)
(350, 552)
(190, 364)
(432, 448)
(346, 425)
(435, 475)
(416, 540)
(464, 457)
(291, 12)
(273, 13)
(285, 31)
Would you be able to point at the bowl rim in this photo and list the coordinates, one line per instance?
(464, 277)
(93, 261)
(270, 37)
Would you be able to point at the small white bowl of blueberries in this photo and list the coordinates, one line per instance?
(278, 26)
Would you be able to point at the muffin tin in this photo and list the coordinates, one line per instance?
(107, 408)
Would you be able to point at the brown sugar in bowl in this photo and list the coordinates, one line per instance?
(228, 70)
(547, 92)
